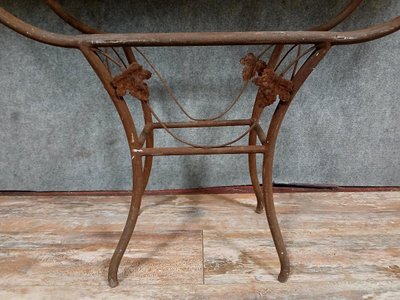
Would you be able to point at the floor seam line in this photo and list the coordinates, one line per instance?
(202, 253)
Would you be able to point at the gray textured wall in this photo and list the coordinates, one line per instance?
(59, 131)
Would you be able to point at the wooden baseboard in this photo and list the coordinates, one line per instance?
(243, 189)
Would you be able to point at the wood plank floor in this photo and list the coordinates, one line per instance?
(341, 246)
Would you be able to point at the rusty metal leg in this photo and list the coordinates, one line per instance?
(130, 222)
(133, 142)
(253, 174)
(273, 131)
(272, 219)
(256, 114)
(252, 158)
(148, 160)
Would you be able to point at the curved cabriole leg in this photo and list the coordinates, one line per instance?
(272, 218)
(133, 142)
(148, 160)
(252, 158)
(268, 160)
(138, 188)
(254, 178)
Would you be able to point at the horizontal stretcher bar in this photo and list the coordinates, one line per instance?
(198, 38)
(221, 123)
(198, 151)
(148, 128)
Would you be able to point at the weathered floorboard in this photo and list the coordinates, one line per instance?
(341, 245)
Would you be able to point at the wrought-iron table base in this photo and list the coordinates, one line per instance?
(274, 84)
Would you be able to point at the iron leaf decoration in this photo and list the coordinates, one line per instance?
(132, 80)
(271, 85)
(252, 66)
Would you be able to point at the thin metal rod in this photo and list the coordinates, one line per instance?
(295, 61)
(178, 103)
(146, 132)
(148, 128)
(119, 57)
(198, 151)
(183, 141)
(260, 133)
(221, 123)
(286, 54)
(107, 61)
(109, 57)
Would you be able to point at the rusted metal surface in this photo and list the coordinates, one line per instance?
(132, 80)
(274, 84)
(271, 86)
(198, 38)
(252, 66)
(217, 123)
(199, 151)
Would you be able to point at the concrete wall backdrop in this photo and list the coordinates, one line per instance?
(59, 130)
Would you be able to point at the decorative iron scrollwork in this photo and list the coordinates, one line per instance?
(132, 80)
